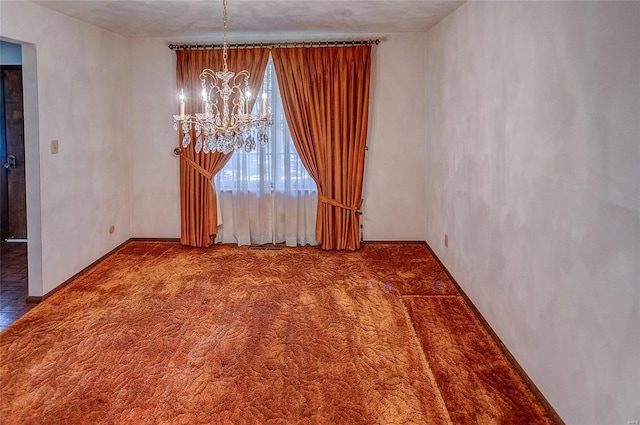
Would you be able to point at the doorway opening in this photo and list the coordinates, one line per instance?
(14, 169)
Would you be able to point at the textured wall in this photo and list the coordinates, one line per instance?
(393, 190)
(82, 98)
(533, 170)
(155, 186)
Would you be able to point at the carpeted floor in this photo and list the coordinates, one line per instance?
(161, 333)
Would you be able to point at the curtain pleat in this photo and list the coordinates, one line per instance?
(198, 208)
(325, 93)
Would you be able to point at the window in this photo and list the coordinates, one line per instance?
(267, 196)
(275, 166)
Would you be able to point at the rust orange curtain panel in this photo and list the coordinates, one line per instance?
(198, 207)
(325, 93)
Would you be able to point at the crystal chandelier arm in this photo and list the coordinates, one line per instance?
(242, 100)
(210, 85)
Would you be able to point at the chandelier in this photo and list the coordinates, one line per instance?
(226, 122)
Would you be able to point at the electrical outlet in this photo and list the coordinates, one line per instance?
(54, 147)
(446, 240)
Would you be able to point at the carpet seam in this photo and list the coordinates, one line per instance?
(425, 363)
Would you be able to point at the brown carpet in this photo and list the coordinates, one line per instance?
(477, 384)
(160, 333)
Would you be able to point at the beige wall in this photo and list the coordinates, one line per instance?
(155, 189)
(394, 189)
(533, 170)
(82, 101)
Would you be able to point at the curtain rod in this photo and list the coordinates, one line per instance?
(217, 46)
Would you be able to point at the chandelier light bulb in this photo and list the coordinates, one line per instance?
(264, 103)
(182, 103)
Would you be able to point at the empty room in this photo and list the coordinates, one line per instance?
(321, 212)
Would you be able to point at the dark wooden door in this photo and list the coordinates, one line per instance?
(12, 182)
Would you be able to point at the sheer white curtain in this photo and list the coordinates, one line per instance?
(267, 196)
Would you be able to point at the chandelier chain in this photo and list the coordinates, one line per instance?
(225, 46)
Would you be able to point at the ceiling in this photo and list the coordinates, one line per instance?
(198, 18)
